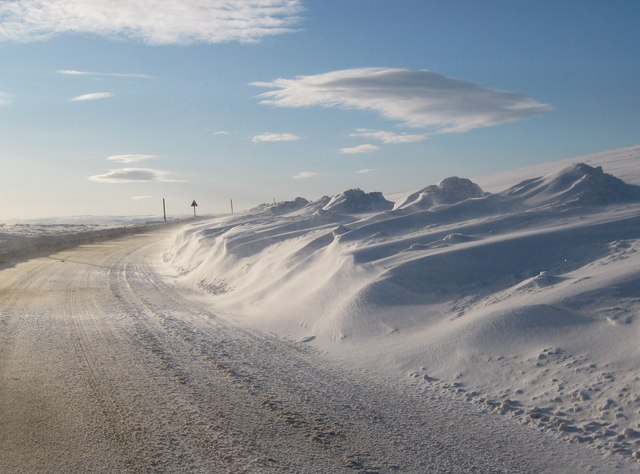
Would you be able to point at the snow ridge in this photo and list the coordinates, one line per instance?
(524, 300)
(579, 184)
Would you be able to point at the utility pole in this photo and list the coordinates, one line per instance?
(164, 210)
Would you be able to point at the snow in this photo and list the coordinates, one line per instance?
(24, 239)
(357, 201)
(448, 191)
(519, 292)
(107, 365)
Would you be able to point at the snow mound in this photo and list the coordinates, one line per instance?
(579, 184)
(318, 205)
(356, 201)
(449, 191)
(620, 162)
(282, 207)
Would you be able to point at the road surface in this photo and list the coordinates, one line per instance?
(105, 366)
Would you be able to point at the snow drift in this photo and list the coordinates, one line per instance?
(357, 201)
(525, 300)
(448, 191)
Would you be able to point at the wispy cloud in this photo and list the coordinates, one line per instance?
(221, 132)
(275, 137)
(388, 137)
(166, 22)
(4, 99)
(133, 175)
(306, 175)
(364, 148)
(92, 96)
(131, 75)
(130, 158)
(139, 198)
(365, 171)
(419, 99)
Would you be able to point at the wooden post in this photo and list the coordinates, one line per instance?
(231, 206)
(164, 210)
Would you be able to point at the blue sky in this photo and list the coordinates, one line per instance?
(106, 112)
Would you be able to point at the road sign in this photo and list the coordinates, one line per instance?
(194, 204)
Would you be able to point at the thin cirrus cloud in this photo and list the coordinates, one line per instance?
(4, 99)
(419, 99)
(130, 75)
(306, 175)
(388, 137)
(365, 171)
(133, 175)
(130, 158)
(140, 197)
(275, 137)
(92, 96)
(168, 22)
(355, 150)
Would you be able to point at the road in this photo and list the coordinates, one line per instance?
(105, 366)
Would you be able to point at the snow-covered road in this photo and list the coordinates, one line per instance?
(106, 366)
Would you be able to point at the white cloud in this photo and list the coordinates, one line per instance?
(130, 158)
(365, 171)
(275, 137)
(92, 96)
(221, 132)
(4, 99)
(166, 22)
(139, 198)
(306, 174)
(419, 99)
(133, 175)
(388, 137)
(74, 72)
(365, 148)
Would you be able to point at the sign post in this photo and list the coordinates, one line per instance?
(194, 204)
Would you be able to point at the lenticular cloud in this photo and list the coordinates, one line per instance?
(133, 175)
(419, 99)
(167, 22)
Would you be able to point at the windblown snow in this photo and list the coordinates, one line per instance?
(525, 300)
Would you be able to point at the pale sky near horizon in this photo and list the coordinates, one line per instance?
(105, 110)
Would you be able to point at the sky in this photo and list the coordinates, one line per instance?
(107, 107)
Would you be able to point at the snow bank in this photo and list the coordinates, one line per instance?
(525, 300)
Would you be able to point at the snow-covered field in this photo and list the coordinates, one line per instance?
(20, 240)
(519, 292)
